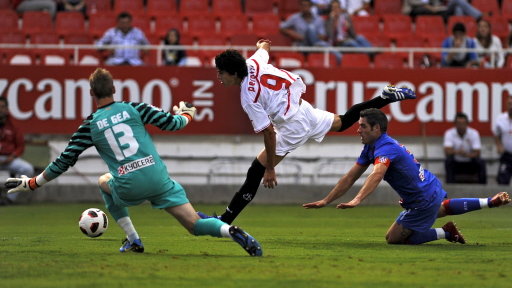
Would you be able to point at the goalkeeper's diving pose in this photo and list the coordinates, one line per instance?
(137, 173)
(272, 98)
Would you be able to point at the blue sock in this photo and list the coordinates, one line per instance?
(209, 226)
(422, 237)
(116, 211)
(458, 206)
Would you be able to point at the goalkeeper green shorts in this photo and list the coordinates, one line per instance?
(167, 194)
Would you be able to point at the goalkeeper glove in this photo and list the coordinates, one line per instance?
(185, 109)
(22, 184)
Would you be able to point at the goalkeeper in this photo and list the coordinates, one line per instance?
(117, 131)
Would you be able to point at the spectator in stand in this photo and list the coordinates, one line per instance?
(173, 56)
(305, 27)
(12, 145)
(459, 40)
(124, 34)
(462, 146)
(340, 30)
(494, 58)
(72, 6)
(35, 5)
(503, 137)
(321, 7)
(441, 8)
(356, 7)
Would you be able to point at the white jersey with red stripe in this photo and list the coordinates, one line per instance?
(269, 94)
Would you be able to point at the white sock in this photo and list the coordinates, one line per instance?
(224, 231)
(126, 224)
(440, 233)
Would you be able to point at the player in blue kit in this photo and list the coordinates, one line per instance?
(136, 172)
(423, 198)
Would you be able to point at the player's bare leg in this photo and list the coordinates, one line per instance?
(397, 234)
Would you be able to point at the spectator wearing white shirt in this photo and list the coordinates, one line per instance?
(124, 34)
(356, 7)
(502, 131)
(495, 57)
(462, 146)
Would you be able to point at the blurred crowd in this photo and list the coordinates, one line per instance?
(364, 26)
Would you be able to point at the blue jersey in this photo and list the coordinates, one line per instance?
(416, 186)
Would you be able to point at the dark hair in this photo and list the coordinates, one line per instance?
(459, 27)
(3, 99)
(124, 15)
(375, 116)
(233, 62)
(101, 83)
(166, 39)
(485, 40)
(461, 115)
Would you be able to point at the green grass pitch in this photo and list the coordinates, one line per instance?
(41, 246)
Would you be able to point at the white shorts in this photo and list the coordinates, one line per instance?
(307, 123)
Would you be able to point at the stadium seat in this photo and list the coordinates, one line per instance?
(285, 8)
(37, 22)
(366, 25)
(318, 60)
(128, 5)
(201, 24)
(8, 21)
(355, 60)
(506, 9)
(288, 59)
(142, 21)
(79, 38)
(499, 26)
(101, 22)
(14, 37)
(5, 4)
(156, 8)
(164, 23)
(253, 7)
(208, 56)
(234, 25)
(244, 40)
(488, 7)
(397, 25)
(223, 8)
(265, 24)
(385, 7)
(388, 61)
(18, 57)
(412, 41)
(280, 39)
(95, 6)
(426, 26)
(69, 23)
(44, 38)
(194, 6)
(55, 58)
(468, 21)
(378, 40)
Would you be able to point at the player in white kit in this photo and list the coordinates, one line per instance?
(271, 97)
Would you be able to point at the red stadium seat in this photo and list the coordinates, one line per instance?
(366, 25)
(358, 60)
(427, 26)
(69, 23)
(318, 60)
(18, 57)
(265, 24)
(82, 38)
(55, 58)
(95, 6)
(164, 23)
(100, 22)
(388, 61)
(506, 9)
(161, 7)
(288, 59)
(384, 7)
(13, 37)
(379, 40)
(468, 21)
(499, 26)
(231, 8)
(397, 25)
(259, 7)
(234, 25)
(244, 40)
(194, 6)
(8, 21)
(488, 7)
(286, 8)
(412, 41)
(142, 21)
(37, 22)
(5, 4)
(201, 24)
(128, 6)
(280, 40)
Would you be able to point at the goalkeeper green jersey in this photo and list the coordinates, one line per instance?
(118, 133)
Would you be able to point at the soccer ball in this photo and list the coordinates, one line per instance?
(93, 222)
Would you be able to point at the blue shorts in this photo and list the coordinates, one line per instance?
(422, 219)
(171, 195)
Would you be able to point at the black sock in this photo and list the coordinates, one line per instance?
(352, 114)
(246, 193)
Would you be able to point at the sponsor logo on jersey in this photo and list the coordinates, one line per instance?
(135, 165)
(382, 159)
